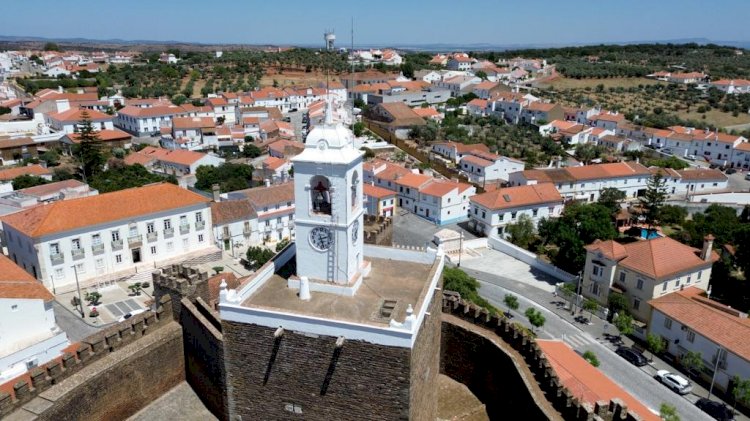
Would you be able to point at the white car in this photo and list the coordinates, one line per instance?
(675, 382)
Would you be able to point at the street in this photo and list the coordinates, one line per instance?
(637, 381)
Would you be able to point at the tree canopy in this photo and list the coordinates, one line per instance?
(27, 180)
(228, 176)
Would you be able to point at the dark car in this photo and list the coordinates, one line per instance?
(730, 171)
(633, 356)
(715, 409)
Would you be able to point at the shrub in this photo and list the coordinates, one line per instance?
(591, 358)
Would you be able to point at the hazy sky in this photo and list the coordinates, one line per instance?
(381, 21)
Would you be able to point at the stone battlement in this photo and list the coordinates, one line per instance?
(562, 399)
(180, 281)
(378, 230)
(91, 349)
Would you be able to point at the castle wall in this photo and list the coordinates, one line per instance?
(203, 343)
(425, 364)
(113, 374)
(307, 376)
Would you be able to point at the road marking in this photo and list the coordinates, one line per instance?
(577, 341)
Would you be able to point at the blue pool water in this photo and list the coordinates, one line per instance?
(649, 235)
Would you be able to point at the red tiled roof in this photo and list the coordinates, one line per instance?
(377, 192)
(106, 135)
(17, 283)
(11, 173)
(520, 196)
(76, 115)
(228, 211)
(80, 213)
(586, 382)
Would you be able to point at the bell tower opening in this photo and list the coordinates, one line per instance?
(355, 190)
(320, 190)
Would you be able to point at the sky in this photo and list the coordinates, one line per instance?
(381, 22)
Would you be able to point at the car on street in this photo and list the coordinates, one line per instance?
(747, 176)
(666, 151)
(674, 381)
(690, 157)
(730, 171)
(718, 410)
(631, 355)
(126, 316)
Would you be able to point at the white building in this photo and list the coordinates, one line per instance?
(235, 226)
(459, 62)
(483, 167)
(586, 182)
(492, 211)
(177, 162)
(69, 121)
(146, 121)
(30, 335)
(440, 201)
(735, 87)
(455, 151)
(688, 321)
(223, 110)
(107, 236)
(274, 206)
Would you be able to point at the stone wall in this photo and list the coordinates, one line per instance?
(425, 364)
(178, 282)
(469, 357)
(113, 374)
(378, 230)
(203, 345)
(276, 374)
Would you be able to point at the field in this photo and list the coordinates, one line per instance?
(562, 82)
(289, 78)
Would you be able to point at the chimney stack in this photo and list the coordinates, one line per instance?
(304, 288)
(217, 193)
(708, 244)
(267, 182)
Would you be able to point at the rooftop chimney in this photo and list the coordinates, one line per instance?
(267, 182)
(217, 192)
(304, 288)
(708, 244)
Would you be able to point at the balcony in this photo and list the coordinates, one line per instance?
(116, 244)
(168, 232)
(57, 258)
(247, 231)
(267, 228)
(184, 229)
(199, 225)
(97, 248)
(152, 236)
(78, 254)
(135, 240)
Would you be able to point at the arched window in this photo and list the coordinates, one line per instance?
(355, 189)
(320, 192)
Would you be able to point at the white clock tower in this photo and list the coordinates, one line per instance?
(328, 207)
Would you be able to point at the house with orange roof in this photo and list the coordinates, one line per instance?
(276, 169)
(7, 175)
(68, 121)
(477, 107)
(429, 113)
(455, 151)
(509, 105)
(586, 383)
(645, 270)
(569, 131)
(274, 206)
(109, 138)
(484, 167)
(224, 112)
(379, 201)
(284, 148)
(235, 226)
(458, 85)
(687, 320)
(491, 212)
(146, 121)
(586, 182)
(108, 236)
(30, 334)
(732, 86)
(540, 112)
(607, 120)
(459, 62)
(177, 162)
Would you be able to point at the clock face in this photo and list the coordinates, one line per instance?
(321, 238)
(355, 231)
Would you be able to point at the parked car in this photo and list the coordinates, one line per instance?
(717, 410)
(747, 176)
(713, 166)
(730, 171)
(667, 151)
(691, 157)
(674, 381)
(126, 316)
(632, 355)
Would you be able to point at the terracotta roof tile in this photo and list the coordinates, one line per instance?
(261, 197)
(520, 196)
(11, 173)
(231, 210)
(76, 115)
(377, 192)
(84, 212)
(17, 283)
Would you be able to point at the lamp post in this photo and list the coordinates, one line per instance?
(719, 351)
(460, 248)
(578, 290)
(78, 287)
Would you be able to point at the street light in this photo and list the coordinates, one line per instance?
(78, 286)
(719, 351)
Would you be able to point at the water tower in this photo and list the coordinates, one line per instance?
(330, 39)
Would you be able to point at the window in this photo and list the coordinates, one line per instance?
(183, 220)
(268, 222)
(133, 231)
(167, 224)
(278, 220)
(677, 282)
(75, 244)
(118, 258)
(535, 212)
(99, 263)
(690, 336)
(59, 273)
(96, 239)
(484, 214)
(597, 270)
(668, 323)
(513, 215)
(476, 211)
(170, 246)
(664, 285)
(200, 238)
(80, 268)
(150, 227)
(54, 249)
(639, 284)
(199, 217)
(622, 277)
(14, 307)
(636, 304)
(153, 249)
(595, 289)
(700, 272)
(115, 235)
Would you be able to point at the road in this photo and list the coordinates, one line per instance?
(635, 380)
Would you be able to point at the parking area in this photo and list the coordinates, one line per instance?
(737, 181)
(500, 264)
(412, 230)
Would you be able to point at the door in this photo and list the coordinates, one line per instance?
(136, 255)
(427, 213)
(227, 244)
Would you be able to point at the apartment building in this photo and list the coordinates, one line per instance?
(99, 237)
(274, 206)
(491, 212)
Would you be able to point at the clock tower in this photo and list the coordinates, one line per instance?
(328, 207)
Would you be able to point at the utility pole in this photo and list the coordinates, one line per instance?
(78, 287)
(460, 248)
(716, 368)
